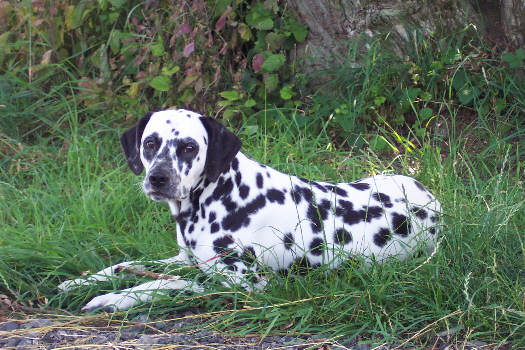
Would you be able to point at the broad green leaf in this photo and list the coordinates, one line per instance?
(286, 92)
(157, 49)
(426, 113)
(160, 83)
(170, 71)
(249, 103)
(379, 100)
(245, 32)
(231, 95)
(273, 62)
(298, 30)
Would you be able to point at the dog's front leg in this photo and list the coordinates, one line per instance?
(142, 293)
(114, 271)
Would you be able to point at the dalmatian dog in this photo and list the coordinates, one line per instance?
(239, 217)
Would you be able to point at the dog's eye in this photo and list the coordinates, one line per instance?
(188, 148)
(150, 144)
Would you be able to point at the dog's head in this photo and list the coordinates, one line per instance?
(178, 148)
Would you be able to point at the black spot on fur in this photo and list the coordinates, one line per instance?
(220, 245)
(168, 121)
(382, 237)
(337, 190)
(192, 227)
(401, 224)
(192, 244)
(432, 230)
(351, 216)
(316, 246)
(288, 241)
(214, 228)
(238, 178)
(212, 217)
(420, 186)
(228, 203)
(313, 216)
(230, 259)
(298, 193)
(433, 218)
(203, 212)
(223, 188)
(235, 164)
(383, 199)
(318, 186)
(244, 191)
(419, 212)
(259, 180)
(323, 208)
(241, 216)
(342, 237)
(274, 195)
(361, 186)
(248, 256)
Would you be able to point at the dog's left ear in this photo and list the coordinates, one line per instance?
(130, 141)
(223, 145)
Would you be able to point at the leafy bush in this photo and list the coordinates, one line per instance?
(168, 52)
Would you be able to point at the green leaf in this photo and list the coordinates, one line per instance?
(157, 49)
(249, 103)
(286, 92)
(298, 30)
(460, 79)
(117, 3)
(426, 113)
(273, 62)
(160, 83)
(245, 32)
(274, 40)
(467, 94)
(169, 72)
(515, 60)
(412, 93)
(114, 41)
(231, 95)
(271, 81)
(379, 100)
(259, 18)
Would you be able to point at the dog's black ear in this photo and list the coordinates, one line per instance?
(223, 145)
(130, 141)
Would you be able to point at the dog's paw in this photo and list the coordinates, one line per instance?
(111, 302)
(68, 285)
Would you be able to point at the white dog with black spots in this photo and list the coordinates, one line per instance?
(241, 217)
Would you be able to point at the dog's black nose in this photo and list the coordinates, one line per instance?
(158, 180)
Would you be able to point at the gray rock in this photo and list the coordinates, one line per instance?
(12, 342)
(9, 326)
(37, 323)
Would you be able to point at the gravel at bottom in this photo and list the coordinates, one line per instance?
(179, 331)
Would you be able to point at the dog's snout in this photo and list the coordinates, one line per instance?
(159, 180)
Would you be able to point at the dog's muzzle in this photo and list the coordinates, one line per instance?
(161, 184)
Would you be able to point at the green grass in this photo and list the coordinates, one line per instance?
(69, 204)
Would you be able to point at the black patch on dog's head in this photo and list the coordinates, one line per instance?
(130, 141)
